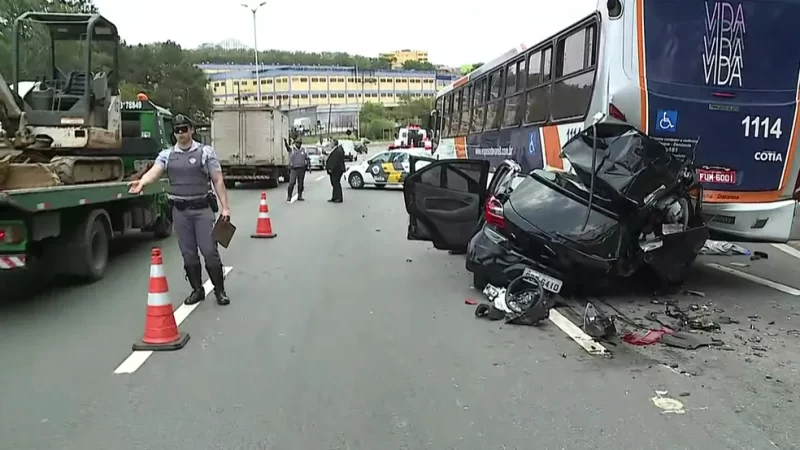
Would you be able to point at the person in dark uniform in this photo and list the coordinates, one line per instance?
(335, 167)
(299, 163)
(191, 168)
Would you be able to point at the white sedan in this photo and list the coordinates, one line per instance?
(385, 168)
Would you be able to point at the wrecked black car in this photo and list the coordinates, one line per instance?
(626, 206)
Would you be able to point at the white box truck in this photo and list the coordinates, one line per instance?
(249, 143)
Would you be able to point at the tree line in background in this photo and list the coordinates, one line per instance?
(210, 54)
(167, 72)
(376, 121)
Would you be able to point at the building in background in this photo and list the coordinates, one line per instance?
(338, 92)
(400, 57)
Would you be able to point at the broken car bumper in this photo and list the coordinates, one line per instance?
(491, 257)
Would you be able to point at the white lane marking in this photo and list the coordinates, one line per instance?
(136, 359)
(320, 178)
(788, 249)
(576, 334)
(762, 281)
(294, 198)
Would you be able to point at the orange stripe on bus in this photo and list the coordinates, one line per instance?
(552, 147)
(461, 147)
(793, 139)
(642, 74)
(460, 82)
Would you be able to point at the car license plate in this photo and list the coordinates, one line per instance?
(716, 176)
(548, 283)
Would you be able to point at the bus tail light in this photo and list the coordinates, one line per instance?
(493, 213)
(614, 112)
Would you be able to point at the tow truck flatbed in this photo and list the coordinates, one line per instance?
(59, 197)
(67, 229)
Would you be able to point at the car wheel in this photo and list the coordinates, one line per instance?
(355, 180)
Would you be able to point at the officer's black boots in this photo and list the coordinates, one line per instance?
(195, 276)
(217, 277)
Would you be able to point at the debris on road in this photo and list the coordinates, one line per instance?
(596, 324)
(523, 302)
(666, 404)
(723, 248)
(689, 341)
(645, 337)
(470, 301)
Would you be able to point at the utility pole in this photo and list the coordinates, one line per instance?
(255, 49)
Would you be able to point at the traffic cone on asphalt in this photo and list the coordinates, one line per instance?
(160, 329)
(264, 224)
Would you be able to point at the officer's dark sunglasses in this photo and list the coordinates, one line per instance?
(180, 130)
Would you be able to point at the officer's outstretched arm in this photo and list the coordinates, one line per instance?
(152, 175)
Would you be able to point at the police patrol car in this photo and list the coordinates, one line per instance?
(385, 168)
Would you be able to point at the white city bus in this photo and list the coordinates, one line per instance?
(721, 78)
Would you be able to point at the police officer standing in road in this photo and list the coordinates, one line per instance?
(299, 163)
(191, 168)
(335, 167)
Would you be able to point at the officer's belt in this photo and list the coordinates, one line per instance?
(195, 203)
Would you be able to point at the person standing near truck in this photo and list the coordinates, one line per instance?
(191, 168)
(299, 163)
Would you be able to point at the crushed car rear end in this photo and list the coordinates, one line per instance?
(643, 213)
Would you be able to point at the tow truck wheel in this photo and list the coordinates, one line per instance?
(163, 227)
(91, 244)
(355, 180)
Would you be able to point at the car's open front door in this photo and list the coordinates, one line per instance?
(444, 200)
(418, 162)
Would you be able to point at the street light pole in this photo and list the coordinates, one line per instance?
(255, 49)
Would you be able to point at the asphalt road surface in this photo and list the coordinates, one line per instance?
(343, 335)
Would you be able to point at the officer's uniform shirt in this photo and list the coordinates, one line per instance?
(208, 163)
(298, 157)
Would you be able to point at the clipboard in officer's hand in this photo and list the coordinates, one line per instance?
(223, 231)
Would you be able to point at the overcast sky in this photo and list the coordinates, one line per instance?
(454, 33)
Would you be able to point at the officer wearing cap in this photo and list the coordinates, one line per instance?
(191, 168)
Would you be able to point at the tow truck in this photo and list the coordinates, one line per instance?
(411, 136)
(63, 178)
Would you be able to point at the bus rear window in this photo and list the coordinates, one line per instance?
(727, 45)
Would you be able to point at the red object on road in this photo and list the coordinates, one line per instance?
(647, 337)
(470, 301)
(264, 224)
(160, 329)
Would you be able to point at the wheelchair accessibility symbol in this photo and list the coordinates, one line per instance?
(532, 143)
(667, 120)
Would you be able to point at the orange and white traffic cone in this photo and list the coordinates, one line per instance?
(160, 329)
(264, 224)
